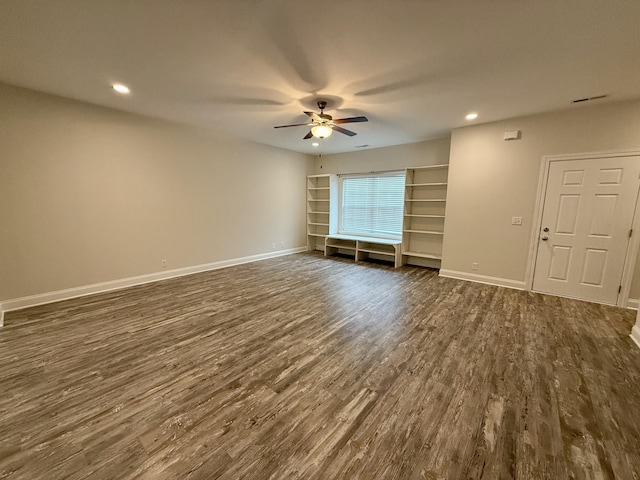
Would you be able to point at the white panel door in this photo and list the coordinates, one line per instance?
(587, 216)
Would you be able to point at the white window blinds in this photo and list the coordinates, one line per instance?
(372, 204)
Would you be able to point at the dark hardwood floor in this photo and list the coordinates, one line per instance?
(313, 368)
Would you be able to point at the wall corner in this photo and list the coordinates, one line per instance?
(635, 331)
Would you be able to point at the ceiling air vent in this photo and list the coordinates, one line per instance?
(588, 99)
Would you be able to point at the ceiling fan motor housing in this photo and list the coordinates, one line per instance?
(323, 124)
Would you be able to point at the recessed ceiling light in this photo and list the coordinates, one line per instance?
(315, 144)
(471, 116)
(120, 88)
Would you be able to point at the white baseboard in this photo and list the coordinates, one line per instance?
(49, 297)
(474, 277)
(635, 334)
(632, 303)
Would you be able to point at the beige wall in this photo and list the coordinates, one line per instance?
(90, 195)
(433, 152)
(492, 180)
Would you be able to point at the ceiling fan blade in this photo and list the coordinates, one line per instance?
(351, 120)
(294, 125)
(308, 136)
(344, 130)
(314, 116)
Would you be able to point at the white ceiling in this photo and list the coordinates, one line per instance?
(413, 67)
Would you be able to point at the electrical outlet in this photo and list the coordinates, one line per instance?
(273, 246)
(474, 266)
(516, 220)
(163, 263)
(281, 244)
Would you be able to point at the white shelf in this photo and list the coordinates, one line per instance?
(423, 217)
(428, 232)
(422, 255)
(362, 247)
(341, 247)
(322, 209)
(378, 252)
(382, 241)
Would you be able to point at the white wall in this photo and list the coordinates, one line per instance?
(91, 195)
(433, 152)
(491, 180)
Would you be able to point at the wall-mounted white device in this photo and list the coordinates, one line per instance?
(512, 135)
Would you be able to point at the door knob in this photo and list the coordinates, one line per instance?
(544, 239)
(545, 229)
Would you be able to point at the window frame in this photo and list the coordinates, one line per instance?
(389, 173)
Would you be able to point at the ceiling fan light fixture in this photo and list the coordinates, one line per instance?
(322, 124)
(321, 131)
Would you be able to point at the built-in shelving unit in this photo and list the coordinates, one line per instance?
(362, 248)
(322, 209)
(424, 212)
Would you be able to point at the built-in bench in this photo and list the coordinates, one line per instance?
(362, 247)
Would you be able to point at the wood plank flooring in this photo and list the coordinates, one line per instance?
(313, 368)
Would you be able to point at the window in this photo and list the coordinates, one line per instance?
(372, 204)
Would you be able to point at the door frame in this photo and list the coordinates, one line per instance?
(633, 246)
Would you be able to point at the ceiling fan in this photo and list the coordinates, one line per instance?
(323, 124)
